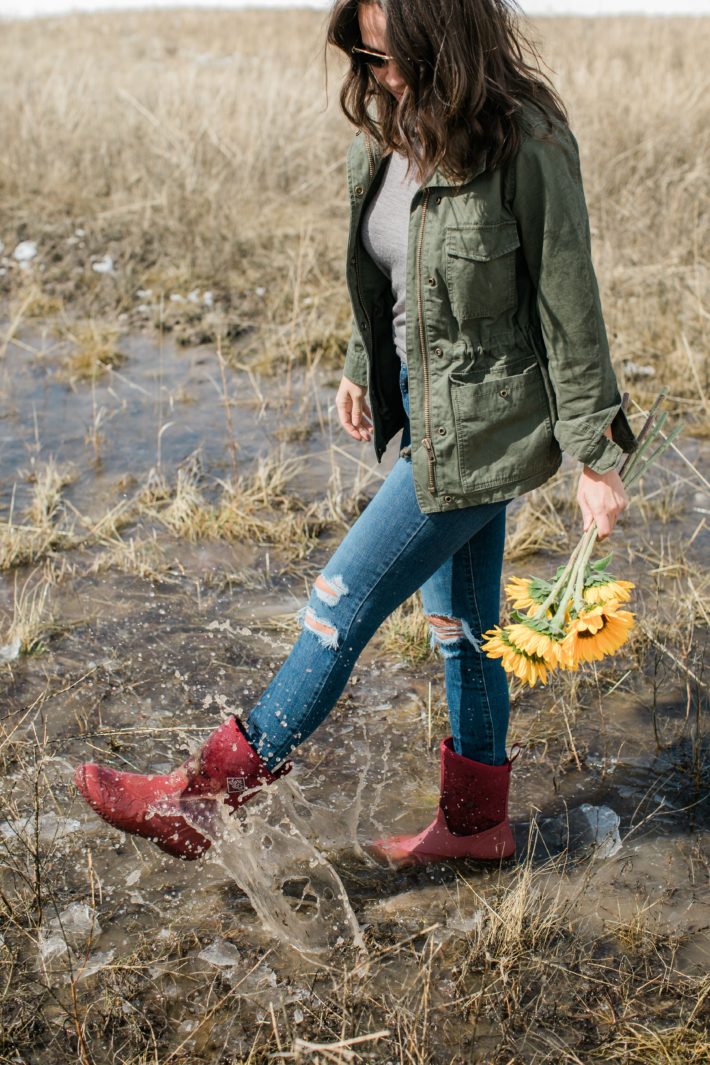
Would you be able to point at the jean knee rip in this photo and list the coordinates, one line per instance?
(448, 633)
(322, 629)
(330, 589)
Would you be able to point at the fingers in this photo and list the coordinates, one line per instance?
(356, 411)
(353, 411)
(587, 516)
(602, 498)
(356, 422)
(605, 524)
(606, 516)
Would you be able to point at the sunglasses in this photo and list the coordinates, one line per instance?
(370, 58)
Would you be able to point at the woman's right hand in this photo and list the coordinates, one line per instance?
(353, 411)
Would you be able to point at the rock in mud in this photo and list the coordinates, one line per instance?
(25, 251)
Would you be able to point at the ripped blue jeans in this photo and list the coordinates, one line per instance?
(393, 549)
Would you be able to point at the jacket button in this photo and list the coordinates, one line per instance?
(438, 352)
(431, 281)
(441, 430)
(438, 199)
(448, 499)
(503, 393)
(352, 259)
(359, 190)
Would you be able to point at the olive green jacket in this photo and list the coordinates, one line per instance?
(506, 347)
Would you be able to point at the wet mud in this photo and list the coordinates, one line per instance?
(288, 935)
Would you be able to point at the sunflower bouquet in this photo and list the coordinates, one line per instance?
(579, 615)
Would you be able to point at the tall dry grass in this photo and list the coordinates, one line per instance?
(200, 151)
(196, 150)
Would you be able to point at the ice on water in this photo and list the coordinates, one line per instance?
(77, 921)
(221, 954)
(585, 829)
(51, 827)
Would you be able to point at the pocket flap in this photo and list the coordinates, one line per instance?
(482, 242)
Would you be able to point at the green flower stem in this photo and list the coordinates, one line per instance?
(639, 472)
(645, 428)
(648, 439)
(552, 597)
(581, 569)
(652, 414)
(654, 406)
(571, 575)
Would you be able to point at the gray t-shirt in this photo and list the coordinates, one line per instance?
(385, 231)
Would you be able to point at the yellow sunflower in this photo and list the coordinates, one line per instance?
(527, 667)
(619, 591)
(518, 590)
(527, 593)
(534, 641)
(597, 632)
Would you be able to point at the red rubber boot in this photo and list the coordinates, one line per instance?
(472, 819)
(226, 762)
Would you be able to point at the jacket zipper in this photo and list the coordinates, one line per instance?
(424, 352)
(370, 160)
(371, 168)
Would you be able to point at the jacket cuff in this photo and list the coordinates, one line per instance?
(587, 442)
(355, 367)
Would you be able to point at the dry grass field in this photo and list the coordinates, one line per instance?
(173, 316)
(201, 153)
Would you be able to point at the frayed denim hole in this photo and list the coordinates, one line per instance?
(468, 633)
(447, 644)
(324, 632)
(330, 589)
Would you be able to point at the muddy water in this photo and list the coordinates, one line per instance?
(157, 407)
(139, 670)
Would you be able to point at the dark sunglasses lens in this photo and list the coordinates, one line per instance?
(370, 59)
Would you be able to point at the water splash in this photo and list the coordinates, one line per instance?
(267, 848)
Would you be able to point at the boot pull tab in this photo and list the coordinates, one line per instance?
(515, 752)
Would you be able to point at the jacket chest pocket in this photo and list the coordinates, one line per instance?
(480, 269)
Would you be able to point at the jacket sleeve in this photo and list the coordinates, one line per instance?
(355, 366)
(549, 205)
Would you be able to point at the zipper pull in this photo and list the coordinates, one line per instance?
(426, 442)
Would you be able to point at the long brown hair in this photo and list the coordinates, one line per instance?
(470, 71)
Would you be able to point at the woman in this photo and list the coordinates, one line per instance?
(478, 330)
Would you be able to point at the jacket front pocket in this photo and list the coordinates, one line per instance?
(503, 428)
(480, 269)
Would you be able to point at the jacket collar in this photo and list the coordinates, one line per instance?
(436, 180)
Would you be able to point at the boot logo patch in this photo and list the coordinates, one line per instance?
(236, 785)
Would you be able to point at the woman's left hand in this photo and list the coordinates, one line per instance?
(601, 497)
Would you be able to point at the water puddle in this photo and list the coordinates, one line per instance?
(146, 632)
